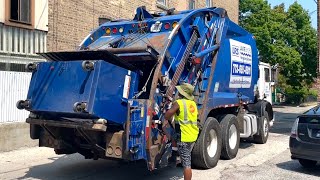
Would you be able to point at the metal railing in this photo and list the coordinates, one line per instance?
(18, 41)
(18, 46)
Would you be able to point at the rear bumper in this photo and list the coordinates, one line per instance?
(84, 125)
(304, 150)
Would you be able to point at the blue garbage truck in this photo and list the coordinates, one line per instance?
(107, 98)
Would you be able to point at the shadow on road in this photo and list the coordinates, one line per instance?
(283, 122)
(294, 166)
(75, 167)
(244, 144)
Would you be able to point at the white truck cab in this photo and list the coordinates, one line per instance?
(265, 82)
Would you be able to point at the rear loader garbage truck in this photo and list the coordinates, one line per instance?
(107, 99)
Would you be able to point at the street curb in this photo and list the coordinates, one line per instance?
(15, 136)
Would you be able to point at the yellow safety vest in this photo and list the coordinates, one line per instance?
(187, 120)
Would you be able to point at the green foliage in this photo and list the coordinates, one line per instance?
(297, 96)
(285, 37)
(313, 93)
(294, 96)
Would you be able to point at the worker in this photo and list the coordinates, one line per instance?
(185, 113)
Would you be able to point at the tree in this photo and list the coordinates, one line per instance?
(306, 39)
(284, 37)
(254, 16)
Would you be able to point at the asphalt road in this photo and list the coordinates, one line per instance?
(268, 161)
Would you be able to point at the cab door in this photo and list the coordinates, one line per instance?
(264, 83)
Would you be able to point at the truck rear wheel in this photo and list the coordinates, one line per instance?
(207, 150)
(230, 136)
(263, 129)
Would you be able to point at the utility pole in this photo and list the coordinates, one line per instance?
(318, 35)
(318, 50)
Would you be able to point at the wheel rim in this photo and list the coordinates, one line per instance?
(212, 143)
(233, 136)
(265, 127)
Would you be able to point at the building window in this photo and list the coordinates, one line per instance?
(20, 10)
(208, 3)
(192, 4)
(162, 2)
(3, 66)
(12, 67)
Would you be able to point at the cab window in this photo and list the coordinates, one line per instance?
(267, 74)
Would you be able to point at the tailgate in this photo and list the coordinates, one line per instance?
(57, 86)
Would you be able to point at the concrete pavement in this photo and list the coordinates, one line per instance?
(254, 161)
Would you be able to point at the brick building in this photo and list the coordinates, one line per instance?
(71, 21)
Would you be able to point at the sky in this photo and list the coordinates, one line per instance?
(309, 5)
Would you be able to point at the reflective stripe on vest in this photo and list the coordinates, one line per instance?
(187, 120)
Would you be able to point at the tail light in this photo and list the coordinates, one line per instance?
(114, 30)
(174, 24)
(108, 31)
(167, 26)
(294, 130)
(121, 30)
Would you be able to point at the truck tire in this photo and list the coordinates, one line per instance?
(307, 163)
(230, 136)
(263, 129)
(207, 149)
